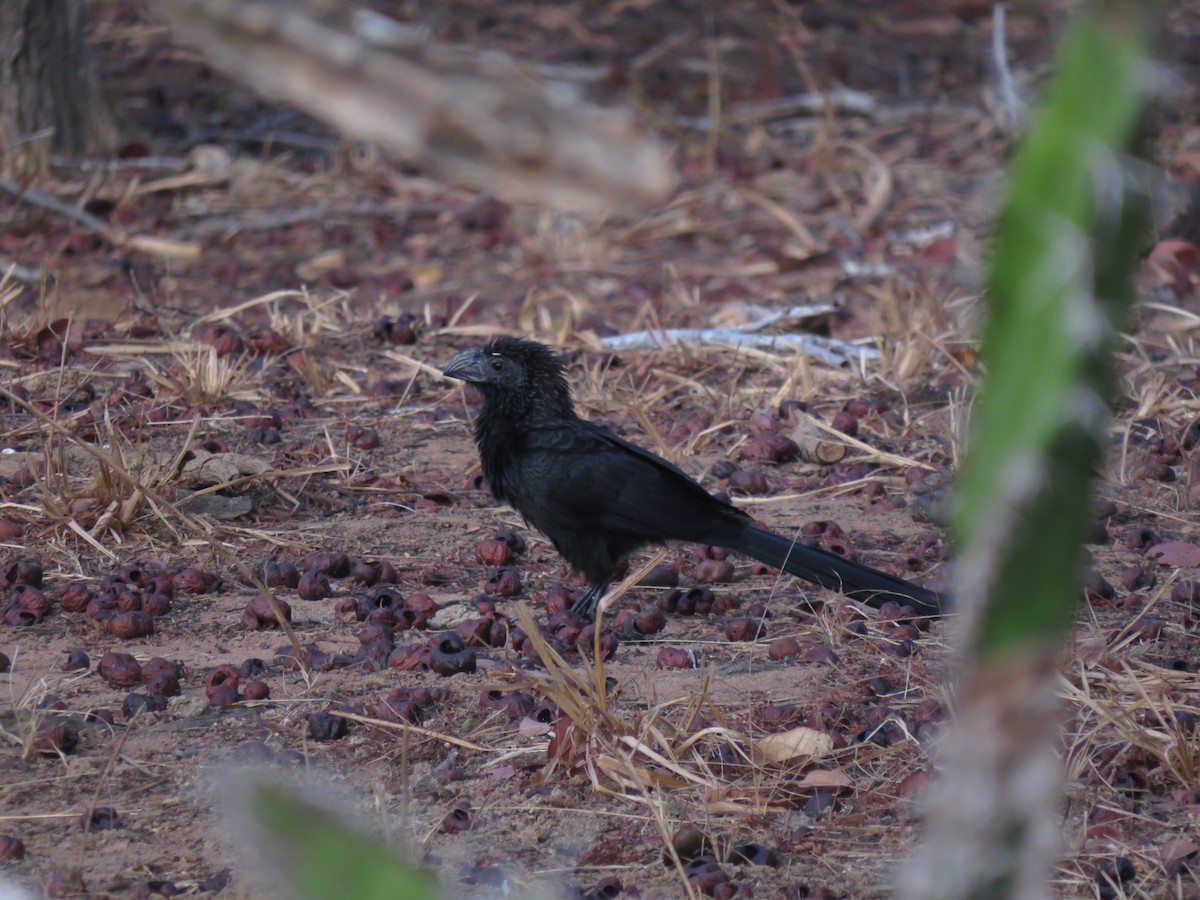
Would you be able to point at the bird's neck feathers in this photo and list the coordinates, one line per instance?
(509, 415)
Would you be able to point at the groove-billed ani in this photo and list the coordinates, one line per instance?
(599, 498)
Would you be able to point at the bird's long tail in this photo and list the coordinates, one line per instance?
(831, 571)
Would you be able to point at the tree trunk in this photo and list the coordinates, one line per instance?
(49, 92)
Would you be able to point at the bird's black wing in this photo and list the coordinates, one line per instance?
(597, 481)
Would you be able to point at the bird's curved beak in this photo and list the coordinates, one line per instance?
(467, 366)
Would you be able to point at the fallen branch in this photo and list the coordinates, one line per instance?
(35, 196)
(470, 116)
(828, 350)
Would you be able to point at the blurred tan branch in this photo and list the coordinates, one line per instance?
(470, 116)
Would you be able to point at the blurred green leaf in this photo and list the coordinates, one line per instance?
(321, 857)
(1059, 291)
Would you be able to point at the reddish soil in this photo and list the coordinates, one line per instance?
(338, 435)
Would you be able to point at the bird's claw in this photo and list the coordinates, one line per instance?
(587, 603)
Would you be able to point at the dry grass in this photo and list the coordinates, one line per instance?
(677, 759)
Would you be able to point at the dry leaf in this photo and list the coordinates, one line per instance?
(826, 778)
(787, 745)
(1177, 848)
(531, 727)
(1177, 554)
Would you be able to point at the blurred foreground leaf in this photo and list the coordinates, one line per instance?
(319, 856)
(1060, 290)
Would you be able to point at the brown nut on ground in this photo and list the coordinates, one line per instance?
(457, 820)
(119, 670)
(448, 655)
(649, 621)
(259, 614)
(156, 665)
(784, 647)
(256, 690)
(505, 582)
(325, 726)
(422, 606)
(148, 889)
(410, 658)
(689, 842)
(19, 618)
(131, 625)
(52, 739)
(586, 642)
(26, 571)
(745, 628)
(749, 482)
(156, 604)
(277, 574)
(129, 599)
(370, 572)
(221, 677)
(75, 597)
(222, 695)
(675, 658)
(313, 586)
(493, 552)
(31, 599)
(714, 571)
(100, 818)
(12, 848)
(164, 684)
(333, 563)
(191, 580)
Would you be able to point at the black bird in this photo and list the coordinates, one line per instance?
(599, 498)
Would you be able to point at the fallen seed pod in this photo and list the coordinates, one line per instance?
(12, 848)
(119, 670)
(325, 726)
(448, 655)
(53, 739)
(130, 625)
(457, 820)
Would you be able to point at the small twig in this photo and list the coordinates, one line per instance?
(841, 100)
(233, 224)
(37, 197)
(1013, 110)
(712, 136)
(432, 371)
(786, 217)
(110, 165)
(408, 728)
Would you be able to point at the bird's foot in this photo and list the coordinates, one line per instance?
(588, 601)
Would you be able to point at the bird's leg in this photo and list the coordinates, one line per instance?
(586, 604)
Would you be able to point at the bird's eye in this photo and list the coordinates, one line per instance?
(497, 365)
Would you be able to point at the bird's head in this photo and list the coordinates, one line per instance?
(515, 371)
